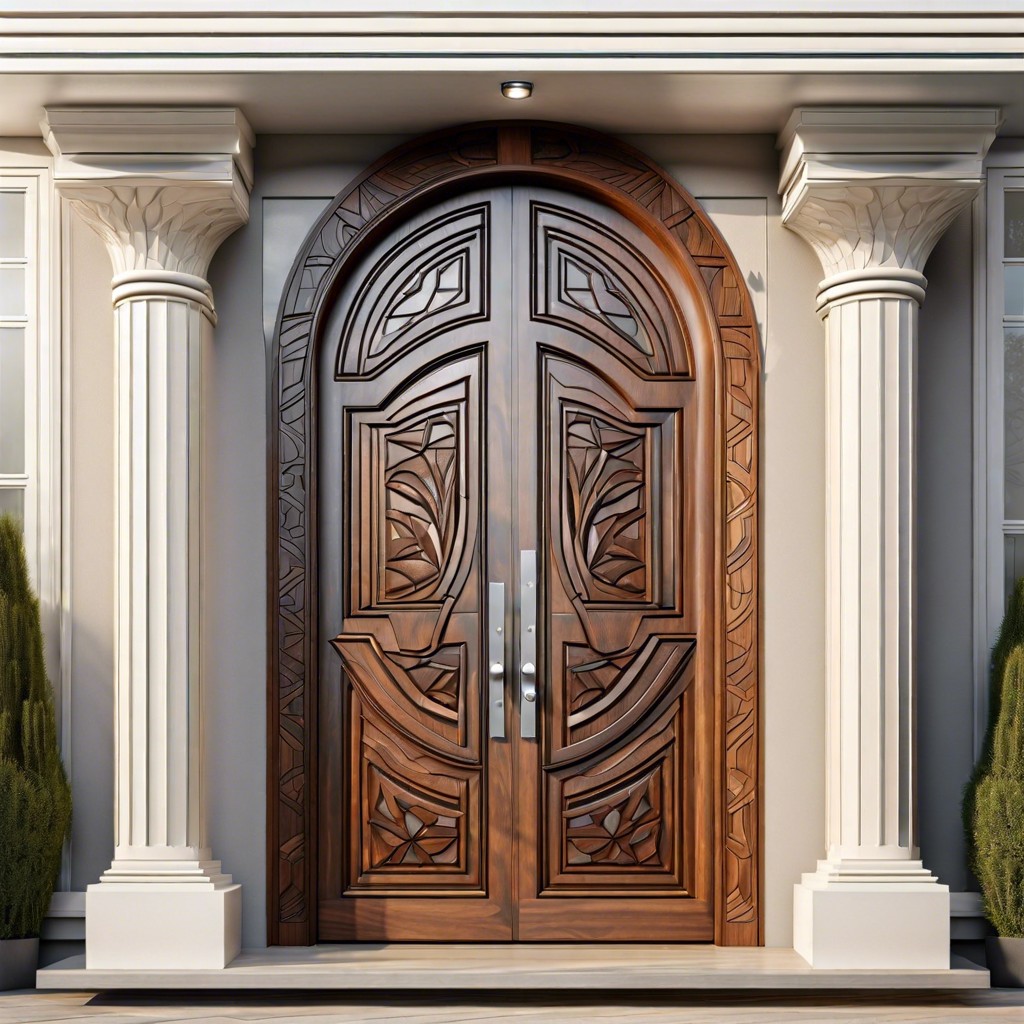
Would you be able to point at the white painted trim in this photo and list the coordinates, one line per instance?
(1005, 170)
(675, 35)
(26, 167)
(66, 618)
(302, 8)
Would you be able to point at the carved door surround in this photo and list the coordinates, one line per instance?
(419, 176)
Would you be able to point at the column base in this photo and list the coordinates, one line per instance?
(156, 922)
(898, 922)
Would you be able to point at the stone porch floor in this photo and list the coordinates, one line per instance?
(537, 1008)
(520, 967)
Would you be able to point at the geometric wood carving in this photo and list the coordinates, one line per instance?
(604, 168)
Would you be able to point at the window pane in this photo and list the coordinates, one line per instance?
(1013, 292)
(1013, 419)
(1013, 224)
(12, 224)
(12, 291)
(12, 502)
(12, 400)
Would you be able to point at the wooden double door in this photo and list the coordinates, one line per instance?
(515, 520)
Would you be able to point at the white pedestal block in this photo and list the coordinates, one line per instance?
(142, 927)
(880, 926)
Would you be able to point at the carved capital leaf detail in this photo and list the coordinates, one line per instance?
(875, 224)
(160, 227)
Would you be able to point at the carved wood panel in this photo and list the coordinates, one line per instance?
(583, 291)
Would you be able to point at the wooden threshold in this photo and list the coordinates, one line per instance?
(517, 967)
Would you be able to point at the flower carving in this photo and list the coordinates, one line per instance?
(624, 829)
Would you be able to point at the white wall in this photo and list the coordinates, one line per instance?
(91, 433)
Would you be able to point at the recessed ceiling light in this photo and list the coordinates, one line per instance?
(517, 90)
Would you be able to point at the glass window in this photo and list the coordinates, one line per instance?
(12, 400)
(1013, 423)
(12, 292)
(12, 224)
(18, 332)
(1013, 383)
(12, 502)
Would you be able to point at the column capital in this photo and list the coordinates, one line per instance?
(162, 186)
(874, 188)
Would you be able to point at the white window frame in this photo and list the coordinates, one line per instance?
(1005, 171)
(26, 164)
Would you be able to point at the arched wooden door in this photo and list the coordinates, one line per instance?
(514, 648)
(516, 509)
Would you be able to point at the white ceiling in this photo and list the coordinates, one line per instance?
(408, 101)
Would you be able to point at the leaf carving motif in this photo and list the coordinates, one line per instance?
(598, 293)
(591, 675)
(427, 291)
(438, 677)
(607, 502)
(409, 829)
(623, 829)
(423, 504)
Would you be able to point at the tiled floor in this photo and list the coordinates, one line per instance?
(748, 1008)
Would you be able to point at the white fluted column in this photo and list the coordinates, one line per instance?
(872, 191)
(163, 188)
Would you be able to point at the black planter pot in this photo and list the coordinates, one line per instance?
(19, 959)
(1005, 961)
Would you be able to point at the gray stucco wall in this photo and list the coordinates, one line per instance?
(945, 540)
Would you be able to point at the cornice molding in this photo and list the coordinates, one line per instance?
(65, 36)
(875, 188)
(163, 187)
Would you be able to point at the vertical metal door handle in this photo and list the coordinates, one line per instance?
(528, 645)
(496, 660)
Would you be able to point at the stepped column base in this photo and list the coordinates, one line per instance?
(874, 915)
(171, 914)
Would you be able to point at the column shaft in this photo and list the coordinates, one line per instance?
(158, 344)
(870, 597)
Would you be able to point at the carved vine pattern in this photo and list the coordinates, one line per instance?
(407, 171)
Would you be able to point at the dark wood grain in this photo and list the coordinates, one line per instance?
(637, 328)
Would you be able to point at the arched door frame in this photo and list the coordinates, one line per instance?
(409, 177)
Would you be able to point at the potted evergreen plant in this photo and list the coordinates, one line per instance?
(35, 799)
(994, 803)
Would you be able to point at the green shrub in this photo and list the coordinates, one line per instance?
(994, 798)
(35, 799)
